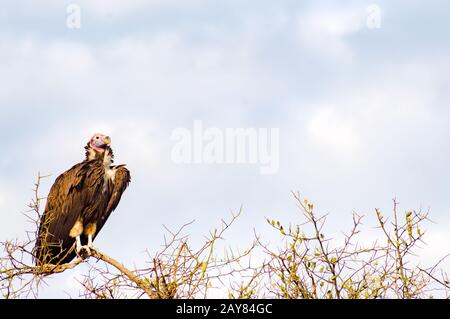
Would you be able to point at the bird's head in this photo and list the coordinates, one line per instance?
(99, 142)
(98, 146)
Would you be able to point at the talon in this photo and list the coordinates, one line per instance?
(84, 252)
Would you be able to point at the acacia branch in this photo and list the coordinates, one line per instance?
(120, 267)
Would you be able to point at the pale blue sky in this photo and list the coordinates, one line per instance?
(363, 113)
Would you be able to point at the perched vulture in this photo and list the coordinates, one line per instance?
(79, 203)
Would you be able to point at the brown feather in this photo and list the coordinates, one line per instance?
(121, 181)
(81, 193)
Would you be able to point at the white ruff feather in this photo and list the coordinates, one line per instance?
(110, 172)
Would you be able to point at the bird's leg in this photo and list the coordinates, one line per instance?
(90, 245)
(75, 232)
(82, 251)
(78, 244)
(89, 231)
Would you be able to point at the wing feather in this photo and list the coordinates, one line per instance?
(121, 181)
(72, 194)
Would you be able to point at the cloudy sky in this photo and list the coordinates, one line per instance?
(362, 112)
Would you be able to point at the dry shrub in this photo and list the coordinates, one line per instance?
(307, 265)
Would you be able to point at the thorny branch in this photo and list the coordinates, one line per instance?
(308, 264)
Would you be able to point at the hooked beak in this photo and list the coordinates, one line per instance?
(107, 140)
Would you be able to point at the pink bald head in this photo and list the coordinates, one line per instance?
(99, 142)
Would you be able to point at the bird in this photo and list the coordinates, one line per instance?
(79, 203)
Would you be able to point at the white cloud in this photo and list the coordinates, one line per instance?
(104, 8)
(330, 129)
(60, 68)
(367, 118)
(69, 59)
(140, 72)
(325, 30)
(120, 8)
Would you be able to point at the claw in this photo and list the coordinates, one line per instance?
(84, 252)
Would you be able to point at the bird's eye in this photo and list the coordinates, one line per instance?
(97, 137)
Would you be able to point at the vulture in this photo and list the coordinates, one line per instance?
(79, 203)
